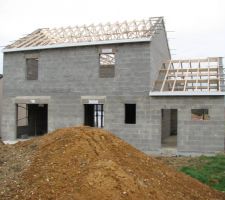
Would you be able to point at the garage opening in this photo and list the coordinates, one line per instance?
(32, 120)
(94, 115)
(169, 127)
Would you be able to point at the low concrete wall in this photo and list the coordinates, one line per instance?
(192, 136)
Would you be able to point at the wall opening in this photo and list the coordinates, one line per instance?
(94, 115)
(32, 68)
(31, 119)
(169, 127)
(130, 113)
(199, 114)
(107, 63)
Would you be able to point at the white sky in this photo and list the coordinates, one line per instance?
(198, 25)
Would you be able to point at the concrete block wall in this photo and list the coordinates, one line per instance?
(1, 85)
(194, 136)
(136, 134)
(159, 54)
(68, 74)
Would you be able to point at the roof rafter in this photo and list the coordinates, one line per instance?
(89, 33)
(194, 75)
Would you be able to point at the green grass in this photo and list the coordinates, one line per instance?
(208, 170)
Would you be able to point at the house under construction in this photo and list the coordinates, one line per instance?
(115, 76)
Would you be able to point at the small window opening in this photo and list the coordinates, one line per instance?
(107, 65)
(130, 113)
(200, 114)
(107, 59)
(32, 68)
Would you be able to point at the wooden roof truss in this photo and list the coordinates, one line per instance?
(90, 33)
(191, 75)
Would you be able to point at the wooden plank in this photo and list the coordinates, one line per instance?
(174, 83)
(208, 77)
(192, 69)
(164, 81)
(190, 80)
(185, 84)
(197, 75)
(218, 76)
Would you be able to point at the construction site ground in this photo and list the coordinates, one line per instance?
(83, 163)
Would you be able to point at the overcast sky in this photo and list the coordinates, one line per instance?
(196, 28)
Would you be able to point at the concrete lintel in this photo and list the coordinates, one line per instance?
(32, 99)
(93, 99)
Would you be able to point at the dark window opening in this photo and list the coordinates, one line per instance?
(130, 113)
(94, 115)
(32, 120)
(32, 68)
(200, 114)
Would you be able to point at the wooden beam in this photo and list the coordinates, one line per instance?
(164, 81)
(197, 75)
(88, 33)
(185, 84)
(194, 74)
(175, 79)
(208, 77)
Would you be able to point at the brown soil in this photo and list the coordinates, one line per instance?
(13, 160)
(1, 143)
(85, 163)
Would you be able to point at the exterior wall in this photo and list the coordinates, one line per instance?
(66, 75)
(138, 134)
(159, 53)
(192, 136)
(1, 85)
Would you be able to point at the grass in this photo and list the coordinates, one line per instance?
(208, 170)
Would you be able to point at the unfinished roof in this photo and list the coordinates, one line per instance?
(132, 31)
(190, 77)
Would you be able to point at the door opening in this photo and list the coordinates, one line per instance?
(169, 127)
(94, 115)
(31, 119)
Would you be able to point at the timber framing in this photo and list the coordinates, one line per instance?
(142, 30)
(190, 77)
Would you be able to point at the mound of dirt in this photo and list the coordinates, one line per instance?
(85, 163)
(1, 143)
(13, 160)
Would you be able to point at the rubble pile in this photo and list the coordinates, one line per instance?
(85, 163)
